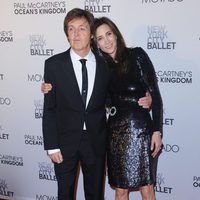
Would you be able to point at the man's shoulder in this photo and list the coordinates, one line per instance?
(58, 57)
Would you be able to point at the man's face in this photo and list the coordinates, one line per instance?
(79, 35)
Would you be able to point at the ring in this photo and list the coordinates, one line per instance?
(112, 111)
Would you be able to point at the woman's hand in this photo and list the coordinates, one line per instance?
(46, 87)
(146, 101)
(156, 143)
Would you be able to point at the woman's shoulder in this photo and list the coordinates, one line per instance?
(136, 50)
(139, 53)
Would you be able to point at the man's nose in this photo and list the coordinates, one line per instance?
(76, 32)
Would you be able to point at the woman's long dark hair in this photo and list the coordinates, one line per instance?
(121, 52)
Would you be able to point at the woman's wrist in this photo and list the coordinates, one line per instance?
(157, 132)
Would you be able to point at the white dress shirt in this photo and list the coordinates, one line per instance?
(91, 71)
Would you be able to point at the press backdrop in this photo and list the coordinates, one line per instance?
(32, 30)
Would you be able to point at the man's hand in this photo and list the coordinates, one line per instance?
(156, 143)
(56, 157)
(146, 101)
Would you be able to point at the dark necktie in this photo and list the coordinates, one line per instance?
(84, 81)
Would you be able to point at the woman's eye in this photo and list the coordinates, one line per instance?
(99, 39)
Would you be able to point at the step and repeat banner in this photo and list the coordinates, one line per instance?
(32, 30)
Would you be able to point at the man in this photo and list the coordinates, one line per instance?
(73, 131)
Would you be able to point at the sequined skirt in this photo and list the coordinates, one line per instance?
(130, 164)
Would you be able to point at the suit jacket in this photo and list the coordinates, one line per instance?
(64, 112)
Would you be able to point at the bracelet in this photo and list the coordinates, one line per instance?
(158, 132)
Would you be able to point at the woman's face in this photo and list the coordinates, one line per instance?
(106, 40)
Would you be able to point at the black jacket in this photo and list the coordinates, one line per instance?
(64, 112)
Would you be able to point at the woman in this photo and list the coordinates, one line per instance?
(134, 138)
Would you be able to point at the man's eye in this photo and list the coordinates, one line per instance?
(82, 29)
(70, 29)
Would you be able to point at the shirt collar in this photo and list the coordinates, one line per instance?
(75, 56)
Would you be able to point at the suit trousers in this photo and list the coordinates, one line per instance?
(93, 170)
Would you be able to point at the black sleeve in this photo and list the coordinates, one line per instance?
(50, 135)
(150, 80)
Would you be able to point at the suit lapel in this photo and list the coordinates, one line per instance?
(97, 84)
(70, 77)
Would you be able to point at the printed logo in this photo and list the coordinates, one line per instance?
(35, 78)
(46, 171)
(174, 148)
(38, 46)
(39, 8)
(4, 191)
(5, 101)
(174, 77)
(11, 160)
(3, 135)
(168, 121)
(158, 38)
(161, 1)
(33, 140)
(38, 109)
(160, 185)
(97, 6)
(196, 181)
(6, 36)
(1, 76)
(45, 197)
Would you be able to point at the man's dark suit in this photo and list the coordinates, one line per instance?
(64, 112)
